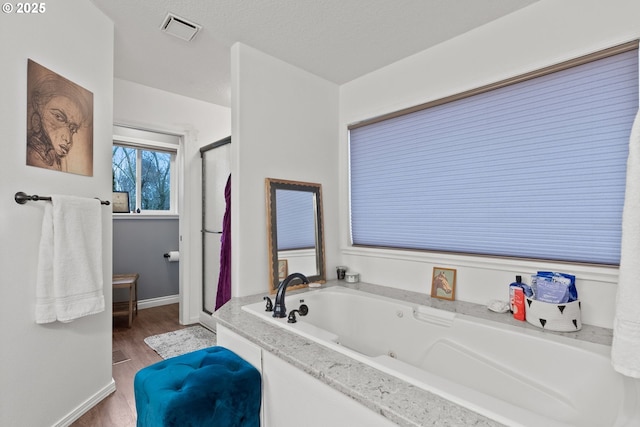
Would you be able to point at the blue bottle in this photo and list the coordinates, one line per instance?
(512, 287)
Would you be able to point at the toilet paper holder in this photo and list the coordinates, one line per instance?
(172, 256)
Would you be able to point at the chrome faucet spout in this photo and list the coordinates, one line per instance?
(279, 309)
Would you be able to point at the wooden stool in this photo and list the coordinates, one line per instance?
(130, 282)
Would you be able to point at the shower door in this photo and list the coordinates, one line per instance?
(215, 171)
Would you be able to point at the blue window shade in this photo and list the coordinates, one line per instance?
(535, 169)
(295, 230)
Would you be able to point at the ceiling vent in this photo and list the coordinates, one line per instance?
(179, 27)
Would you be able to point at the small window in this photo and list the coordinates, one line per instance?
(530, 168)
(145, 168)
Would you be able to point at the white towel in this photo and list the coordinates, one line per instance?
(625, 351)
(69, 278)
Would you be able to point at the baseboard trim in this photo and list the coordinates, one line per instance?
(156, 302)
(87, 405)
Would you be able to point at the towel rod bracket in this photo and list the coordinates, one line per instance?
(22, 198)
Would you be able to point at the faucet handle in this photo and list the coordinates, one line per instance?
(292, 316)
(269, 306)
(303, 309)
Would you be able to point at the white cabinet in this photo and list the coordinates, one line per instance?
(240, 346)
(293, 398)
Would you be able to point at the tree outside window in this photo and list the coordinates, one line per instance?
(143, 172)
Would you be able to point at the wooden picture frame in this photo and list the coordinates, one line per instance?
(120, 202)
(443, 283)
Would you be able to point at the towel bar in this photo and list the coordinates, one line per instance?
(22, 198)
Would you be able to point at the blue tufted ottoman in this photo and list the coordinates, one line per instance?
(210, 387)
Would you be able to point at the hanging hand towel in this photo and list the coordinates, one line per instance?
(69, 277)
(625, 350)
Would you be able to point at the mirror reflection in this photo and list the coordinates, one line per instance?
(294, 226)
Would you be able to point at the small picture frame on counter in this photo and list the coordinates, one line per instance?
(443, 283)
(120, 202)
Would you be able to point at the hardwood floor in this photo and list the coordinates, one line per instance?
(119, 409)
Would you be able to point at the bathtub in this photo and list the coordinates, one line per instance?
(515, 376)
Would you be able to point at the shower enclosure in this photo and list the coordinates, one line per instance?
(215, 172)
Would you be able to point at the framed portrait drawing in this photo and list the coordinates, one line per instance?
(443, 283)
(59, 122)
(120, 202)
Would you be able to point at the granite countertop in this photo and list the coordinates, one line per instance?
(400, 402)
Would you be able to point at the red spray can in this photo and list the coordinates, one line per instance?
(518, 304)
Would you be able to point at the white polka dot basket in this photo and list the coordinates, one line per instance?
(554, 317)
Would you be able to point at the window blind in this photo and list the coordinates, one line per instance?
(535, 169)
(294, 229)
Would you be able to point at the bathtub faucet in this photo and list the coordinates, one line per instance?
(279, 309)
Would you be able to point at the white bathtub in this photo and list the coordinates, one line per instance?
(512, 375)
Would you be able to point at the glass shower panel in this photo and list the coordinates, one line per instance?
(215, 172)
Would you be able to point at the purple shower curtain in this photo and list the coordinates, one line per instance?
(224, 280)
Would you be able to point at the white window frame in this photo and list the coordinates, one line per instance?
(150, 145)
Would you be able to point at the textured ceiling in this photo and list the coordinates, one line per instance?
(338, 40)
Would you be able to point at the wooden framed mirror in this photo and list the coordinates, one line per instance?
(295, 232)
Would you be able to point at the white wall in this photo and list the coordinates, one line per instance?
(542, 34)
(284, 125)
(48, 372)
(201, 123)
